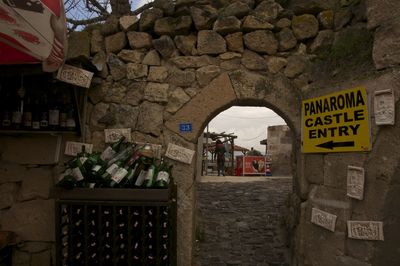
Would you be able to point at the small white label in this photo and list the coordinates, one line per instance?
(323, 219)
(112, 169)
(141, 177)
(73, 148)
(107, 154)
(76, 172)
(83, 160)
(150, 173)
(119, 175)
(114, 134)
(74, 75)
(164, 176)
(35, 125)
(16, 117)
(96, 168)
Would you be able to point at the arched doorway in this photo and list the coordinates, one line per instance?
(241, 218)
(239, 88)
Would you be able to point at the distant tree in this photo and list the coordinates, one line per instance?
(87, 12)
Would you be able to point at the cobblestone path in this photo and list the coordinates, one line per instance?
(242, 223)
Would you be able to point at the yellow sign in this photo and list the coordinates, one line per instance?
(338, 122)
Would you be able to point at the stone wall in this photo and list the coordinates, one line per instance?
(280, 147)
(29, 164)
(186, 61)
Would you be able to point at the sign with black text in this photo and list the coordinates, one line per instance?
(74, 75)
(338, 122)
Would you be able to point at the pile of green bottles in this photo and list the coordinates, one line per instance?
(120, 165)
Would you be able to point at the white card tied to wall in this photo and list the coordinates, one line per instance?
(73, 148)
(384, 108)
(113, 134)
(179, 153)
(323, 219)
(365, 230)
(355, 182)
(74, 75)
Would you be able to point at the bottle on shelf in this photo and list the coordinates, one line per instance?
(54, 111)
(70, 121)
(123, 155)
(67, 180)
(27, 114)
(18, 109)
(44, 113)
(112, 150)
(63, 112)
(36, 114)
(163, 174)
(124, 175)
(149, 179)
(6, 111)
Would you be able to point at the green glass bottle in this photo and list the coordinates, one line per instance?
(110, 171)
(150, 177)
(163, 174)
(66, 180)
(123, 175)
(112, 150)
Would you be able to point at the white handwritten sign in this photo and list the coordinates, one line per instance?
(323, 219)
(75, 75)
(73, 148)
(114, 134)
(365, 230)
(355, 182)
(179, 153)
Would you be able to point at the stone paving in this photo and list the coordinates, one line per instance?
(241, 223)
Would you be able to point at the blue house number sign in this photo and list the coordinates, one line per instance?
(185, 127)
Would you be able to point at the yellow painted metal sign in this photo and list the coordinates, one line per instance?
(338, 122)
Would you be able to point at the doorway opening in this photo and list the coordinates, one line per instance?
(241, 217)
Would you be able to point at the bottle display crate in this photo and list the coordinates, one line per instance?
(105, 226)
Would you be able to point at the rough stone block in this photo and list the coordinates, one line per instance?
(135, 71)
(176, 99)
(138, 40)
(116, 42)
(41, 259)
(36, 184)
(156, 92)
(261, 41)
(201, 106)
(335, 168)
(381, 13)
(78, 45)
(30, 220)
(96, 42)
(386, 51)
(7, 194)
(150, 112)
(313, 168)
(152, 58)
(157, 74)
(34, 149)
(210, 42)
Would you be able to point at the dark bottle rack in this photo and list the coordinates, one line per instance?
(116, 227)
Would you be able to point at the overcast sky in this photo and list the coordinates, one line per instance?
(249, 124)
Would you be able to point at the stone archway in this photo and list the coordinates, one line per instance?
(235, 88)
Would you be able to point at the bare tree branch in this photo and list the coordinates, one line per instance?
(87, 21)
(142, 8)
(96, 4)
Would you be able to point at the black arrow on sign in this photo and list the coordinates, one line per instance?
(330, 144)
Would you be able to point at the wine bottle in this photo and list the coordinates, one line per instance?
(163, 175)
(67, 180)
(44, 113)
(18, 109)
(27, 115)
(110, 171)
(78, 171)
(112, 150)
(63, 112)
(123, 175)
(149, 179)
(36, 114)
(54, 112)
(123, 155)
(6, 112)
(70, 121)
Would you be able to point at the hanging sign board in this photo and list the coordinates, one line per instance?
(338, 122)
(74, 75)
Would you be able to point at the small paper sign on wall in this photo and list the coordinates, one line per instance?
(355, 182)
(74, 75)
(365, 230)
(384, 108)
(179, 153)
(113, 134)
(73, 148)
(323, 219)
